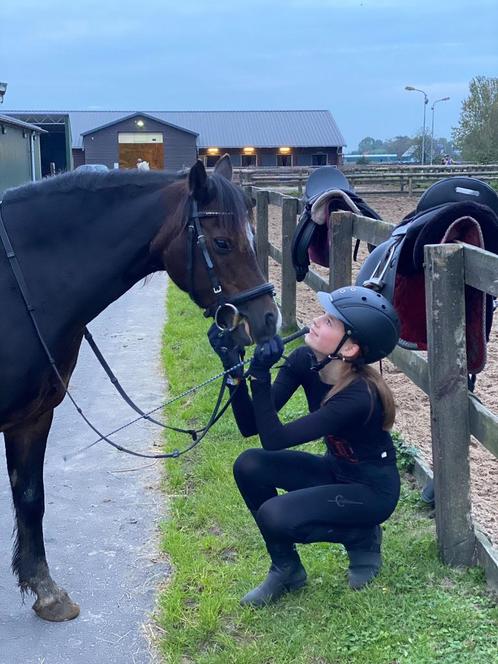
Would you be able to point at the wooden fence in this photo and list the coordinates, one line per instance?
(455, 412)
(379, 180)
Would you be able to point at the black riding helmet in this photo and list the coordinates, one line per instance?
(369, 319)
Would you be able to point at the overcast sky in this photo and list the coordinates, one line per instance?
(352, 57)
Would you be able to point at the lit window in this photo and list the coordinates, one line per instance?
(284, 150)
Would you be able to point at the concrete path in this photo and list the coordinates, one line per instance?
(102, 508)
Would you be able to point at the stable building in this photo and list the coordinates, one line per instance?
(20, 160)
(174, 139)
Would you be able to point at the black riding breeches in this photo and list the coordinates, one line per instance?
(324, 499)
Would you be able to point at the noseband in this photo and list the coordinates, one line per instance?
(223, 304)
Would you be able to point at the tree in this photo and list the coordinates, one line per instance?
(417, 143)
(398, 145)
(477, 133)
(369, 145)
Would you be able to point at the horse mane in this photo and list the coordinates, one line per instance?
(92, 181)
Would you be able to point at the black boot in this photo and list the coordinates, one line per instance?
(286, 574)
(365, 559)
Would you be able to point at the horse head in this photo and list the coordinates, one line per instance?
(207, 247)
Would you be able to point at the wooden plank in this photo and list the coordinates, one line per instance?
(276, 198)
(481, 269)
(315, 281)
(289, 219)
(340, 252)
(414, 365)
(275, 253)
(488, 559)
(483, 425)
(487, 555)
(373, 231)
(445, 306)
(262, 200)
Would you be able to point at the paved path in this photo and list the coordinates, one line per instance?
(102, 508)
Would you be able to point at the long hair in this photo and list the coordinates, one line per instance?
(376, 385)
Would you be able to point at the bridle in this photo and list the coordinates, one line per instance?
(222, 305)
(195, 235)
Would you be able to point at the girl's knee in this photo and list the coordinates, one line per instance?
(248, 463)
(272, 520)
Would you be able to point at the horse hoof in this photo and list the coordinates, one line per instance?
(56, 608)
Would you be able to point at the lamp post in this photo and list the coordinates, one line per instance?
(410, 88)
(3, 90)
(432, 129)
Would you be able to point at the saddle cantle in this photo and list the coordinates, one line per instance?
(459, 209)
(327, 190)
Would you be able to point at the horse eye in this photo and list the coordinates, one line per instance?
(222, 245)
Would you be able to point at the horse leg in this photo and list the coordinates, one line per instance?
(25, 450)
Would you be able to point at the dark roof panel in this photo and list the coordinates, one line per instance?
(226, 129)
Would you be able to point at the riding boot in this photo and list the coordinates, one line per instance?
(365, 559)
(286, 574)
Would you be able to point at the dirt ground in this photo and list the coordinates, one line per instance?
(413, 414)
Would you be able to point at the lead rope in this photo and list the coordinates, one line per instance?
(19, 277)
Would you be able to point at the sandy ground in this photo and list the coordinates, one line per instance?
(413, 414)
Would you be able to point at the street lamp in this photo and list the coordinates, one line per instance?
(432, 130)
(410, 88)
(3, 90)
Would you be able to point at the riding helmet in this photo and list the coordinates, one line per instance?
(368, 317)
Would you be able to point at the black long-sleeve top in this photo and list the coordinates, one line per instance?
(350, 422)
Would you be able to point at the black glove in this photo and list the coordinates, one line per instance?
(265, 356)
(229, 353)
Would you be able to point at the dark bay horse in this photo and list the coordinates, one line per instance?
(81, 241)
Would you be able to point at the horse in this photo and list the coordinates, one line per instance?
(73, 244)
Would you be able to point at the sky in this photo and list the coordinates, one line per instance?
(351, 57)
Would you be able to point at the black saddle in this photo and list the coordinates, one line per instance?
(455, 209)
(327, 190)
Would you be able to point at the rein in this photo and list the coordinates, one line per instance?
(195, 233)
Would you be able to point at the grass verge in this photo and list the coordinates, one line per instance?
(417, 611)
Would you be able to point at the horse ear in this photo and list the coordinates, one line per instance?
(197, 180)
(224, 167)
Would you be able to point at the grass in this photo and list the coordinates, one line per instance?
(417, 611)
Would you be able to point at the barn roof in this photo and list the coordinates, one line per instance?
(7, 119)
(227, 129)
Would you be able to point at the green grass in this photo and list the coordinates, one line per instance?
(416, 611)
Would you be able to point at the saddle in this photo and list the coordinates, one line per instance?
(327, 190)
(456, 209)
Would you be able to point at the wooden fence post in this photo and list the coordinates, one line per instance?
(340, 259)
(450, 427)
(262, 198)
(289, 218)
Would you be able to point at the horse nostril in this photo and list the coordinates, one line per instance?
(270, 320)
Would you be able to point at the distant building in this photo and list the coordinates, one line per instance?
(406, 157)
(173, 140)
(371, 158)
(19, 152)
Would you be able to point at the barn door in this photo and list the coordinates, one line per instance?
(147, 146)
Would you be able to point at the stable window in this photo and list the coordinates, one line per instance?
(319, 159)
(248, 159)
(284, 160)
(211, 160)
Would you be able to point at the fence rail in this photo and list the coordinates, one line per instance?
(393, 180)
(455, 412)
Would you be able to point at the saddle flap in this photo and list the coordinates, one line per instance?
(301, 239)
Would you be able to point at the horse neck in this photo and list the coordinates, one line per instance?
(83, 255)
